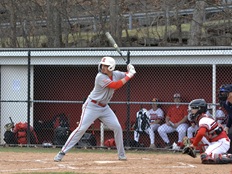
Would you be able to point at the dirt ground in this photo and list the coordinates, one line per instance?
(107, 163)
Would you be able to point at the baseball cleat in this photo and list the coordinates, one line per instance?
(152, 146)
(122, 158)
(59, 156)
(168, 146)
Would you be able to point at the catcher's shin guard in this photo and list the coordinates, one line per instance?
(207, 159)
(218, 159)
(222, 159)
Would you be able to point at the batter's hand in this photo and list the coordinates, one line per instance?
(130, 70)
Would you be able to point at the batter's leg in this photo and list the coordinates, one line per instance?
(89, 115)
(111, 121)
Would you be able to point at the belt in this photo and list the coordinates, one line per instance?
(99, 104)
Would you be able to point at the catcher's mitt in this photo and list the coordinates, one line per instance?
(189, 151)
(186, 141)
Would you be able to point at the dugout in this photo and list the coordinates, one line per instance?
(60, 80)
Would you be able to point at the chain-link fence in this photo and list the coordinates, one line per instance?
(46, 88)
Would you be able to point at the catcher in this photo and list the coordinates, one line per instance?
(219, 142)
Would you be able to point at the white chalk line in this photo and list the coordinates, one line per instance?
(69, 166)
(107, 162)
(182, 165)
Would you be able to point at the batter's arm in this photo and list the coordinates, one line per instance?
(118, 84)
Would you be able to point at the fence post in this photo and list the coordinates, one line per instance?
(28, 96)
(128, 106)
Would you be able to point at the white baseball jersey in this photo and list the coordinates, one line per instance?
(211, 125)
(100, 93)
(155, 115)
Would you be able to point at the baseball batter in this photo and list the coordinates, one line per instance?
(96, 106)
(219, 142)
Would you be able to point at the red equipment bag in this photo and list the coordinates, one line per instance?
(20, 130)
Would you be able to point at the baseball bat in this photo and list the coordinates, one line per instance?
(11, 120)
(114, 44)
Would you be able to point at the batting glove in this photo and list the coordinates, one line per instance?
(130, 70)
(129, 66)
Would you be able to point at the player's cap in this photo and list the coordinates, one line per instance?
(155, 99)
(176, 95)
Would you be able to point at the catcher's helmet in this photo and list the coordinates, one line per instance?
(200, 105)
(109, 61)
(224, 91)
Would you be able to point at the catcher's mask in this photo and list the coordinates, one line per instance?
(224, 91)
(200, 105)
(109, 61)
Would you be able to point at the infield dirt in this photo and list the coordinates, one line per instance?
(107, 163)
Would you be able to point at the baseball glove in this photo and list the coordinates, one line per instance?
(189, 151)
(186, 141)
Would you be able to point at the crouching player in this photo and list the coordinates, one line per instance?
(219, 142)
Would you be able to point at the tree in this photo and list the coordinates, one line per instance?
(13, 37)
(197, 23)
(115, 22)
(54, 32)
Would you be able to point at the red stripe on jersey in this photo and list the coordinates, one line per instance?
(213, 125)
